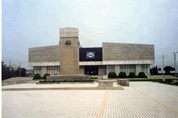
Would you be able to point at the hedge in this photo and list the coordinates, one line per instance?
(46, 74)
(37, 76)
(122, 75)
(131, 74)
(142, 75)
(112, 75)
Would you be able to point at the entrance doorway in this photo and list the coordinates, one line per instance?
(91, 70)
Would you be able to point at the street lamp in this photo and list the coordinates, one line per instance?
(174, 60)
(163, 65)
(20, 69)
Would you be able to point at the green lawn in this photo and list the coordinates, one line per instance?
(167, 81)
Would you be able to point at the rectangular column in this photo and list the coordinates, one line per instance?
(69, 51)
(117, 69)
(44, 70)
(138, 69)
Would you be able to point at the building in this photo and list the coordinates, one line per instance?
(111, 57)
(14, 66)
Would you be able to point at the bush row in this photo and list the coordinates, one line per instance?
(38, 76)
(123, 75)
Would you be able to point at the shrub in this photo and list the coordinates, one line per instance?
(142, 75)
(46, 74)
(122, 75)
(37, 76)
(132, 74)
(112, 75)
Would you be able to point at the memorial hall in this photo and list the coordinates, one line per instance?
(75, 59)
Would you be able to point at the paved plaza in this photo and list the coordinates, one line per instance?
(140, 100)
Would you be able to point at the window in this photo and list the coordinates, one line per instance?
(56, 72)
(38, 70)
(81, 67)
(128, 68)
(110, 68)
(145, 68)
(50, 70)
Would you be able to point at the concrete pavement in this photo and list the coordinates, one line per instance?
(141, 99)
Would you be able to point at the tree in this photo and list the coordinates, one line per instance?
(17, 72)
(154, 71)
(4, 71)
(13, 73)
(23, 72)
(167, 69)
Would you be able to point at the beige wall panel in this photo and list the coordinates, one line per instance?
(123, 51)
(44, 70)
(117, 69)
(44, 54)
(138, 69)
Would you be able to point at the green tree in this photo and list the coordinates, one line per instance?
(167, 69)
(4, 71)
(17, 72)
(154, 71)
(112, 75)
(13, 73)
(23, 72)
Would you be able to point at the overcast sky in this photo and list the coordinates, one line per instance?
(35, 23)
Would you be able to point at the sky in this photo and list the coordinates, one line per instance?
(36, 23)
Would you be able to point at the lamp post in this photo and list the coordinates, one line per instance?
(20, 69)
(174, 60)
(163, 65)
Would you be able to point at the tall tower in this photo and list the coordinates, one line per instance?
(69, 51)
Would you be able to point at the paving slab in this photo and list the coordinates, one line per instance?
(141, 99)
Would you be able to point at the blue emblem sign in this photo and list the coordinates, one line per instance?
(90, 55)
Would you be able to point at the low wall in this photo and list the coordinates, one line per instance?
(5, 83)
(38, 79)
(67, 77)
